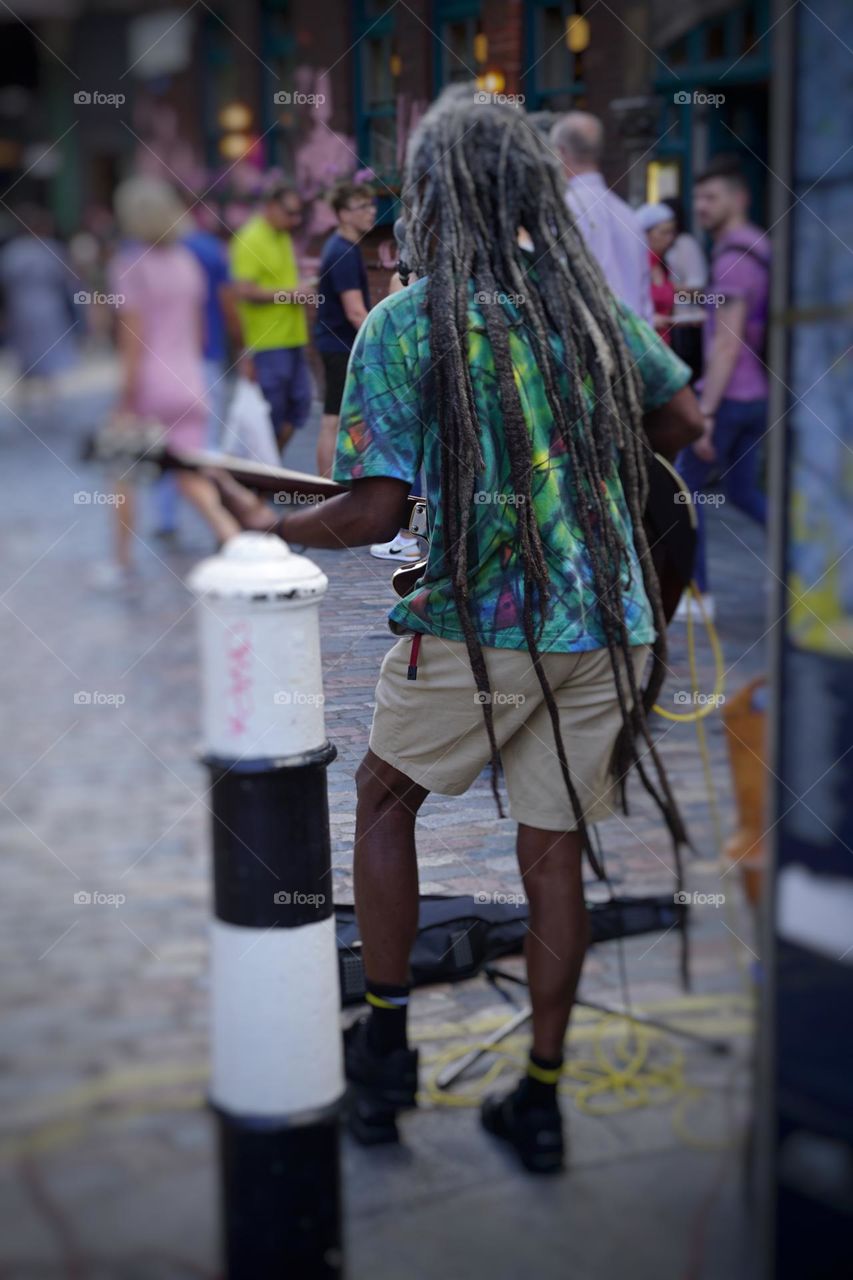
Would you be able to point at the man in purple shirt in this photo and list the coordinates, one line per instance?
(733, 390)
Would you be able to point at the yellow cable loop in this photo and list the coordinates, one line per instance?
(713, 702)
(696, 717)
(702, 740)
(623, 1072)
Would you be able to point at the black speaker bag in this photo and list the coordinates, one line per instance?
(457, 936)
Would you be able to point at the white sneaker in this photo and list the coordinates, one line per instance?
(688, 607)
(114, 579)
(401, 547)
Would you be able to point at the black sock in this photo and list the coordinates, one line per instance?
(539, 1087)
(386, 1026)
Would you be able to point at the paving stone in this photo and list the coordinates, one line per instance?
(115, 799)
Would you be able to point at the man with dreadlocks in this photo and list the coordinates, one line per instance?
(535, 637)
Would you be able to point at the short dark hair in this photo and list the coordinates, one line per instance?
(343, 192)
(279, 190)
(727, 167)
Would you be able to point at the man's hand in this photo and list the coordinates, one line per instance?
(246, 367)
(250, 511)
(372, 510)
(295, 291)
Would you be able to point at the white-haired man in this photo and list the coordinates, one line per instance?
(608, 225)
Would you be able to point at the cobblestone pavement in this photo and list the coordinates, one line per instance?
(108, 1167)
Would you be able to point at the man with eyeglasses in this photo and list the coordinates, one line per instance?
(344, 303)
(271, 307)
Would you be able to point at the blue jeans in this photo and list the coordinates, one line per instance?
(738, 427)
(285, 380)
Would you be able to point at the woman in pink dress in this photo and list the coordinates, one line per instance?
(159, 290)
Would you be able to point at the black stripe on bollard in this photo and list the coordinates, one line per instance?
(271, 1170)
(271, 850)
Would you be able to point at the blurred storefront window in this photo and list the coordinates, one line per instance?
(557, 35)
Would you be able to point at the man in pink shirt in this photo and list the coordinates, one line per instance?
(609, 226)
(733, 390)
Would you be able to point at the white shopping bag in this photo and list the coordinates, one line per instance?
(248, 426)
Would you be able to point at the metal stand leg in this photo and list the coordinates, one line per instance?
(454, 1070)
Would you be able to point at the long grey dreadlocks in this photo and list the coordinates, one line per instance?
(476, 172)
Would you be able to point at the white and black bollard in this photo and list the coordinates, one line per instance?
(277, 1075)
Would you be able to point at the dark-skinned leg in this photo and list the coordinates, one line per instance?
(550, 864)
(284, 435)
(529, 1117)
(380, 1066)
(386, 869)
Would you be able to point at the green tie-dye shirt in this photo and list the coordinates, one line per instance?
(388, 427)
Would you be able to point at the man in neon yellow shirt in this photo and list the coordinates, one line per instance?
(271, 309)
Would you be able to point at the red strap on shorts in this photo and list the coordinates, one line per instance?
(412, 673)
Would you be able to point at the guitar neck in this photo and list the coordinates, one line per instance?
(263, 478)
(254, 475)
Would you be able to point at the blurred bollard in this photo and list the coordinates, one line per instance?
(745, 720)
(277, 1077)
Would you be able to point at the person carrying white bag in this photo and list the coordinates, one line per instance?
(248, 426)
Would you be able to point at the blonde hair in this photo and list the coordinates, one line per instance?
(149, 210)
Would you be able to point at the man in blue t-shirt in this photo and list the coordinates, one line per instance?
(211, 253)
(345, 302)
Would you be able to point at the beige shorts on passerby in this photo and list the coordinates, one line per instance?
(432, 729)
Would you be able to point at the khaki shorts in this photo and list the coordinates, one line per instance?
(432, 729)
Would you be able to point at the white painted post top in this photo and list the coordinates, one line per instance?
(258, 566)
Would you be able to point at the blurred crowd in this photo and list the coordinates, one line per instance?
(224, 329)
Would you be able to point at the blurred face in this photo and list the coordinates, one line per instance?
(661, 237)
(284, 214)
(716, 201)
(359, 215)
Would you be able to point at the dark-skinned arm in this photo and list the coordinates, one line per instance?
(372, 510)
(674, 425)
